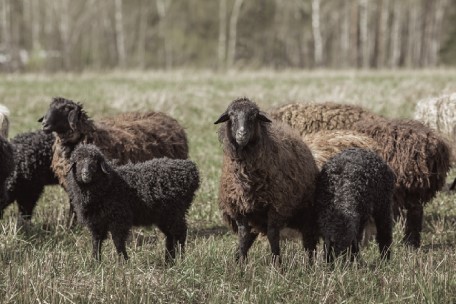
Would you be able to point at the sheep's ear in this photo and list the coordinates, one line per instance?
(224, 117)
(73, 118)
(104, 167)
(262, 117)
(41, 119)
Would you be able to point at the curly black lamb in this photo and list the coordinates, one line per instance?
(110, 198)
(32, 171)
(6, 168)
(353, 186)
(268, 179)
(128, 137)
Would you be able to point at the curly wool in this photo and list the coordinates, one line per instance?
(126, 137)
(353, 186)
(31, 172)
(156, 192)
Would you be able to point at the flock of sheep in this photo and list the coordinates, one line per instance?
(327, 170)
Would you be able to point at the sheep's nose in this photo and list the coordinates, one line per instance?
(85, 176)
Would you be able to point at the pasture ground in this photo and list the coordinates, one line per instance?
(52, 264)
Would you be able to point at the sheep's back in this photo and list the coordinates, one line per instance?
(418, 156)
(129, 137)
(308, 118)
(326, 144)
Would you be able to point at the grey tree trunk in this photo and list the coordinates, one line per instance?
(120, 35)
(231, 52)
(316, 31)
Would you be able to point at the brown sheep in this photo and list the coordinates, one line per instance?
(134, 137)
(421, 160)
(268, 178)
(401, 142)
(128, 137)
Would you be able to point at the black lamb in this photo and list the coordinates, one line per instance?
(110, 198)
(353, 186)
(32, 171)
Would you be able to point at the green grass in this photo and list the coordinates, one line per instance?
(51, 264)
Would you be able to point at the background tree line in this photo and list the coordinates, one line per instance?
(52, 35)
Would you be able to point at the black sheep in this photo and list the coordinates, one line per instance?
(6, 168)
(32, 171)
(353, 186)
(113, 199)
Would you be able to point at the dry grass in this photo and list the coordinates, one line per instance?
(53, 264)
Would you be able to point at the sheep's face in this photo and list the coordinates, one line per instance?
(243, 119)
(63, 116)
(88, 164)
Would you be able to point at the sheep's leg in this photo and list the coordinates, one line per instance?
(413, 226)
(453, 185)
(26, 201)
(120, 238)
(97, 240)
(246, 239)
(72, 218)
(170, 248)
(275, 223)
(384, 236)
(329, 251)
(310, 234)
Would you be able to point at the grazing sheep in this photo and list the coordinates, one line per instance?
(418, 156)
(32, 171)
(326, 144)
(353, 186)
(112, 199)
(4, 121)
(310, 118)
(6, 168)
(268, 178)
(126, 137)
(421, 160)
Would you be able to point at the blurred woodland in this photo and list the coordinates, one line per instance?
(64, 35)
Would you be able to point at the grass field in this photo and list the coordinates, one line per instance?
(52, 264)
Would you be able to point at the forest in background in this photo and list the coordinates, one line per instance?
(64, 35)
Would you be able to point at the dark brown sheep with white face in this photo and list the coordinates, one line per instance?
(419, 157)
(126, 137)
(268, 178)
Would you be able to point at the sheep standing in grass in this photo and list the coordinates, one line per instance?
(421, 160)
(32, 171)
(112, 199)
(268, 178)
(128, 137)
(353, 186)
(418, 155)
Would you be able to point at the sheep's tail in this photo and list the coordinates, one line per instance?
(4, 121)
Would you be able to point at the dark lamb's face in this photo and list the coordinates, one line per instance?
(57, 119)
(87, 169)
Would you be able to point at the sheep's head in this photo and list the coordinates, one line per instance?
(243, 119)
(63, 116)
(88, 164)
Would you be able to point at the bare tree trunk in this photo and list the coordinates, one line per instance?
(64, 18)
(231, 52)
(6, 29)
(221, 50)
(396, 36)
(345, 35)
(120, 36)
(439, 10)
(162, 8)
(142, 37)
(363, 29)
(316, 31)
